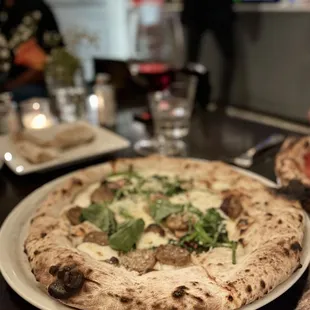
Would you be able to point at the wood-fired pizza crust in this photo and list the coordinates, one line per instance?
(289, 163)
(270, 231)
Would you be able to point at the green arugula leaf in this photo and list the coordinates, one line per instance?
(127, 235)
(125, 214)
(171, 188)
(101, 216)
(161, 209)
(191, 209)
(208, 232)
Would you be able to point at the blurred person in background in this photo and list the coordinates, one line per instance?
(217, 16)
(28, 32)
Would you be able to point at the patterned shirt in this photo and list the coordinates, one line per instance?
(26, 20)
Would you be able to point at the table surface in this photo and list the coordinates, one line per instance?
(213, 136)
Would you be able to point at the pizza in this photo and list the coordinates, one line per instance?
(163, 233)
(292, 168)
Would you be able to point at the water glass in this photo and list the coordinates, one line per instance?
(171, 111)
(70, 103)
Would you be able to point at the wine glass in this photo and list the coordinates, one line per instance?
(158, 48)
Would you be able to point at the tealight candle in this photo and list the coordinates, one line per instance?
(37, 120)
(36, 114)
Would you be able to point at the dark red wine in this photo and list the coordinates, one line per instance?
(153, 76)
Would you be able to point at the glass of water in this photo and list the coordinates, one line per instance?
(70, 104)
(171, 111)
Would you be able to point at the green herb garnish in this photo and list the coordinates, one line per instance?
(234, 245)
(125, 214)
(191, 209)
(127, 235)
(101, 216)
(207, 233)
(161, 209)
(170, 188)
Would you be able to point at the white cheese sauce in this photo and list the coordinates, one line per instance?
(83, 198)
(96, 251)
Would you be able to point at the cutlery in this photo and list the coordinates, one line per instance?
(246, 159)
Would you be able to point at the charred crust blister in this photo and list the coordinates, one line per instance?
(125, 299)
(179, 292)
(262, 284)
(57, 290)
(54, 270)
(286, 252)
(43, 235)
(249, 289)
(68, 283)
(230, 298)
(296, 247)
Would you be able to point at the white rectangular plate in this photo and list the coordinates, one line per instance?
(105, 142)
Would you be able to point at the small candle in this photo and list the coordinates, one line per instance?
(37, 120)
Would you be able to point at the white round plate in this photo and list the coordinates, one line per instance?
(16, 271)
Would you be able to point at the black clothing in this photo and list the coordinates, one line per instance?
(200, 12)
(215, 16)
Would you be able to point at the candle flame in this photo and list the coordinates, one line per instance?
(39, 121)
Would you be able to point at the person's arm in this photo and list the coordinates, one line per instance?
(28, 77)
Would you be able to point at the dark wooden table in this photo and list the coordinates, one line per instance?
(213, 136)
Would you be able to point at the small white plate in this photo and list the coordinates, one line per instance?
(16, 271)
(105, 142)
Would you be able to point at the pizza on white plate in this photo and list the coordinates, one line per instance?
(292, 168)
(163, 233)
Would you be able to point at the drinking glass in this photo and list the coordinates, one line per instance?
(157, 44)
(35, 113)
(171, 110)
(70, 104)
